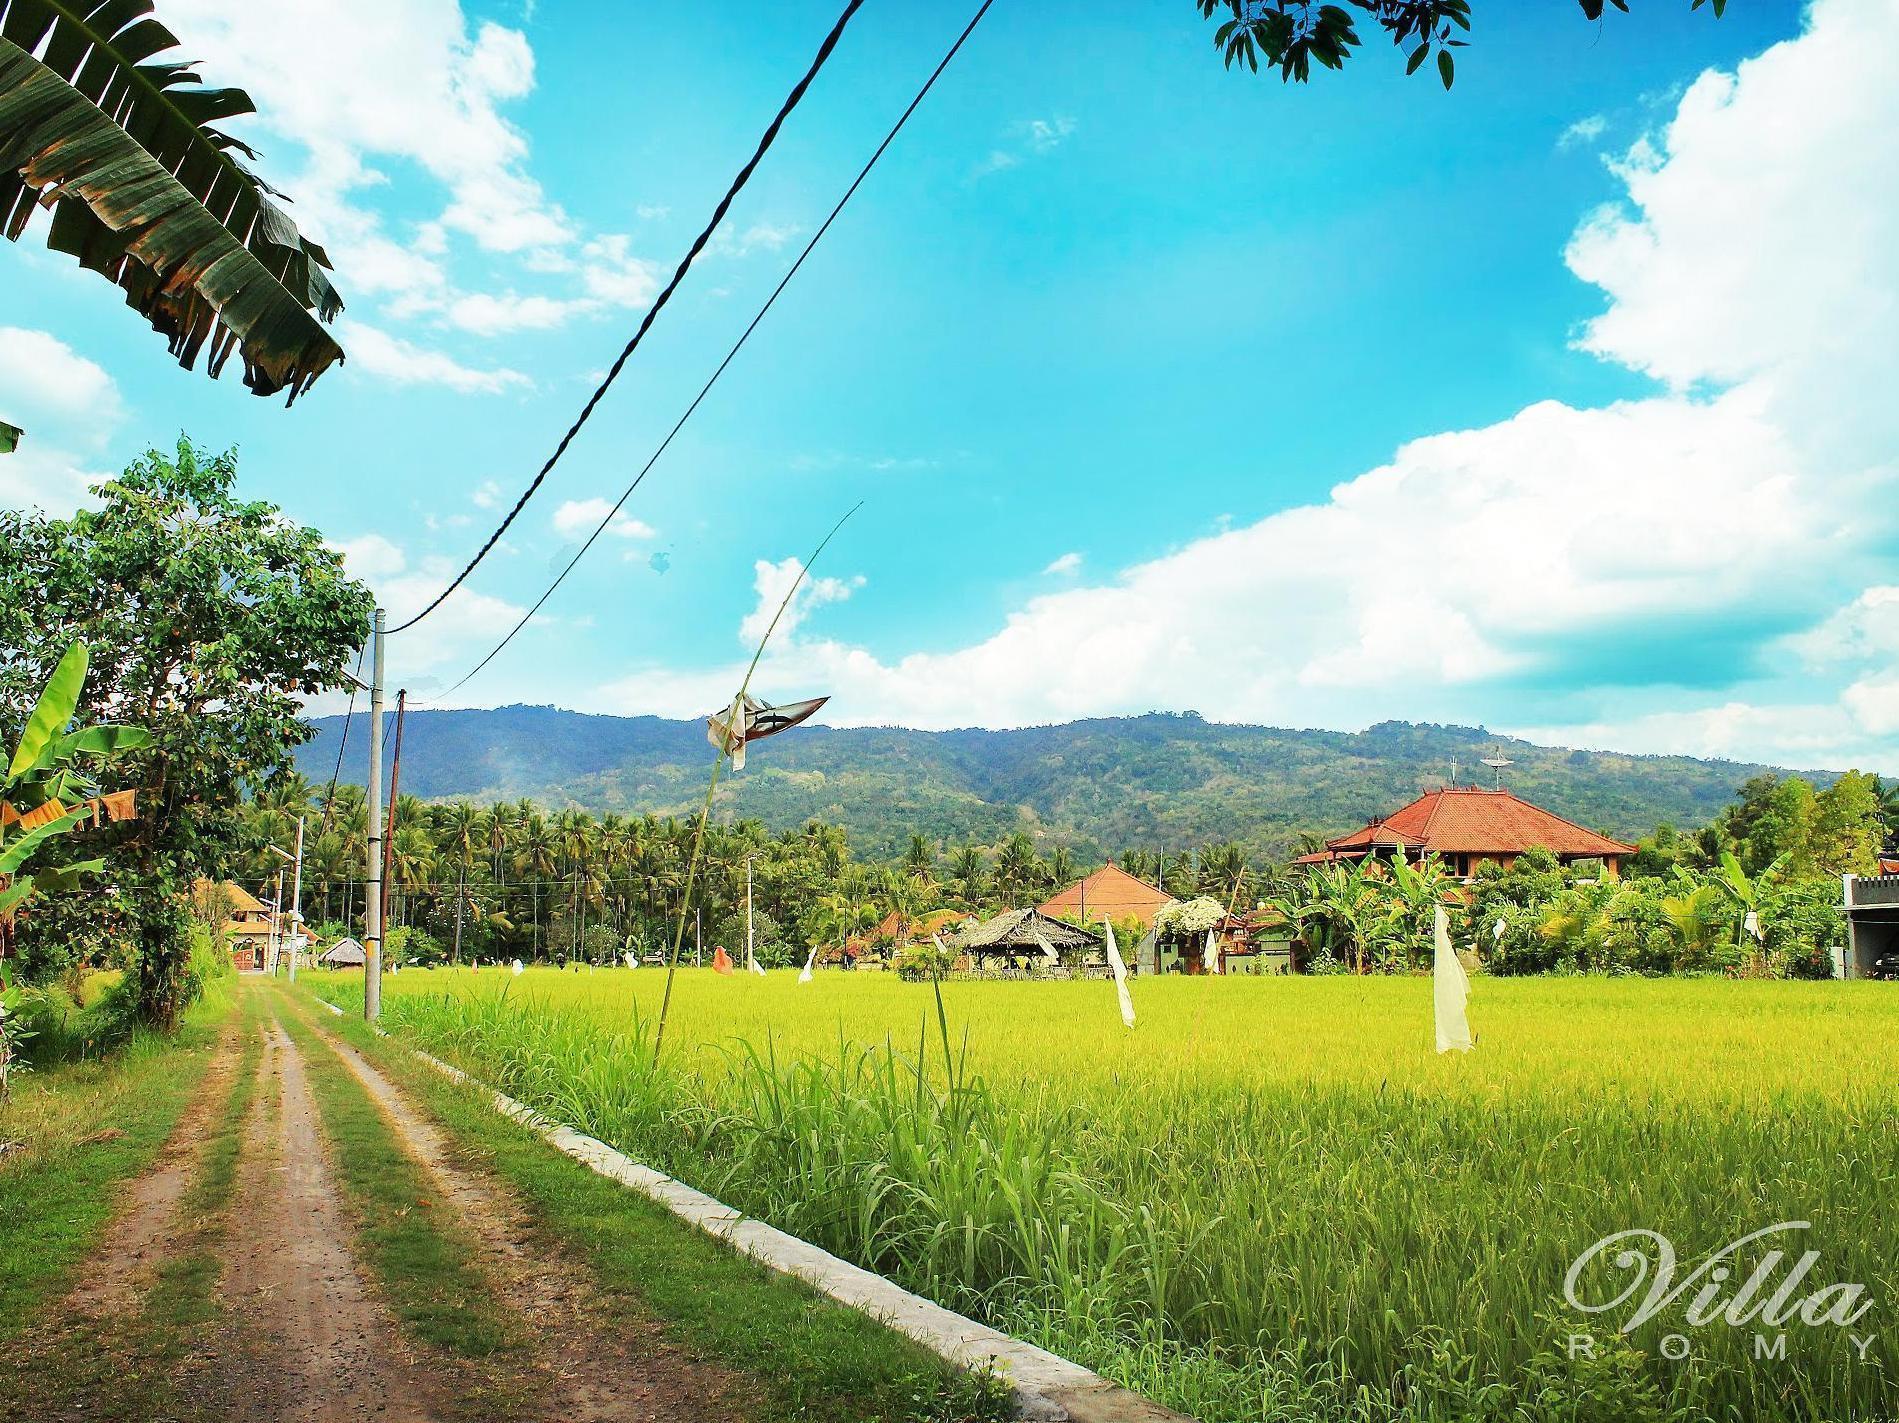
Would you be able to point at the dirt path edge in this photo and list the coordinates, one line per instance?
(1047, 1387)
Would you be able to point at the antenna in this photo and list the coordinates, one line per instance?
(1497, 763)
(1453, 773)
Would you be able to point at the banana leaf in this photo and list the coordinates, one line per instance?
(53, 711)
(9, 438)
(143, 190)
(17, 852)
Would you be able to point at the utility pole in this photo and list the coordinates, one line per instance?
(749, 959)
(389, 823)
(277, 921)
(296, 903)
(372, 907)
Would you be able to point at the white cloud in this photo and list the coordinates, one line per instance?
(364, 86)
(613, 274)
(578, 518)
(1750, 273)
(1819, 736)
(1026, 138)
(1065, 566)
(49, 477)
(42, 376)
(69, 407)
(1583, 132)
(381, 354)
(773, 581)
(760, 236)
(456, 634)
(487, 494)
(1874, 703)
(1046, 135)
(488, 314)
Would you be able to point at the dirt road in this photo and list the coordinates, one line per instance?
(264, 1304)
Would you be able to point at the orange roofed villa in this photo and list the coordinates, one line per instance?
(1466, 827)
(1109, 893)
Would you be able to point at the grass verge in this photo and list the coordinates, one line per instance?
(130, 1367)
(76, 1134)
(810, 1358)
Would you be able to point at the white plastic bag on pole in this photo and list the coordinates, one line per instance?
(1210, 955)
(1450, 990)
(1120, 974)
(810, 959)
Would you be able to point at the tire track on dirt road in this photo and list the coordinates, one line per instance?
(308, 1338)
(622, 1370)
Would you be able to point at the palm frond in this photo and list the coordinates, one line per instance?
(118, 143)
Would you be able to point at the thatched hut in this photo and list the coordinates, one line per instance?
(1020, 938)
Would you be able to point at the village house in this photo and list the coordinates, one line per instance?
(1020, 940)
(1109, 893)
(247, 925)
(1872, 924)
(1467, 827)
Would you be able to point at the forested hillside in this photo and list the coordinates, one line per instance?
(1099, 786)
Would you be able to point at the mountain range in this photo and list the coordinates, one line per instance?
(1166, 780)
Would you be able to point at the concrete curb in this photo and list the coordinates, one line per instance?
(1047, 1387)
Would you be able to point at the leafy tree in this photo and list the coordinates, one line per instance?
(1888, 814)
(1848, 826)
(100, 123)
(1293, 35)
(211, 620)
(1772, 818)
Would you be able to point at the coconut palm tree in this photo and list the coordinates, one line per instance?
(462, 827)
(411, 861)
(536, 856)
(968, 870)
(1061, 865)
(1019, 870)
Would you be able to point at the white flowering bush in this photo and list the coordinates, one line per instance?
(1191, 917)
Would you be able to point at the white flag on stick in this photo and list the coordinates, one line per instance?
(1210, 955)
(810, 959)
(1120, 974)
(756, 967)
(1450, 991)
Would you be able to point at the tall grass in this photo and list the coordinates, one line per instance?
(1271, 1200)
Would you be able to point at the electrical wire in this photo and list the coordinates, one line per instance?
(646, 322)
(329, 795)
(730, 355)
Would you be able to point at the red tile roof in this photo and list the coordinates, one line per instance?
(1109, 892)
(1470, 820)
(1888, 867)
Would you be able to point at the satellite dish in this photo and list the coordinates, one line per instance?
(1497, 763)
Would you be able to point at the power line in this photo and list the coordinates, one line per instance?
(737, 346)
(329, 795)
(718, 216)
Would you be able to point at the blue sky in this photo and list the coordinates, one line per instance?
(1161, 386)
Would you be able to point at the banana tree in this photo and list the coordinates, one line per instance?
(46, 794)
(1746, 895)
(100, 124)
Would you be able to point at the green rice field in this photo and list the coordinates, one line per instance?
(1271, 1199)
